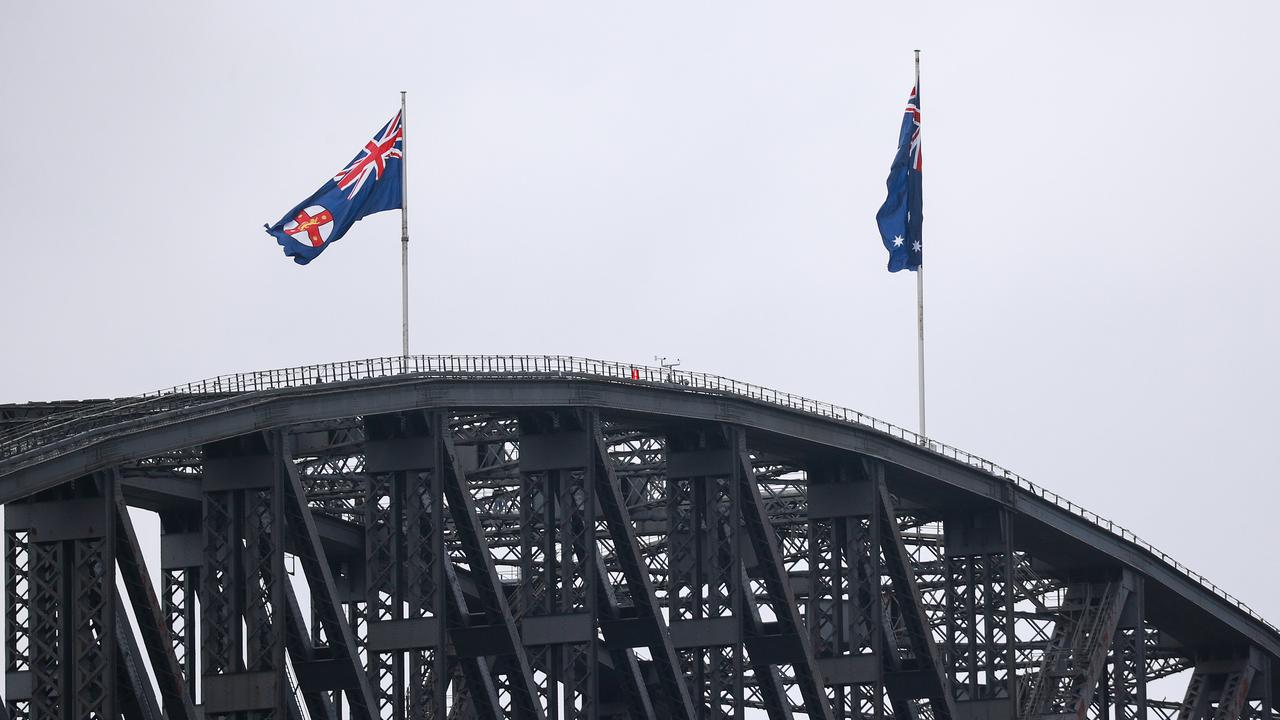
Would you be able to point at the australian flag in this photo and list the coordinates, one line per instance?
(901, 214)
(370, 183)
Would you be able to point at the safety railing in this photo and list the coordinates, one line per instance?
(57, 428)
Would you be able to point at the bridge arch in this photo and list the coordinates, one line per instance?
(768, 551)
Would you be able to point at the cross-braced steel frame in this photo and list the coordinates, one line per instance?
(554, 548)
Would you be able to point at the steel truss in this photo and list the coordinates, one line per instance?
(554, 562)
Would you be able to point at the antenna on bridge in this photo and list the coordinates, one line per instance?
(668, 367)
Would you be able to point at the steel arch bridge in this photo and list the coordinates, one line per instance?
(548, 537)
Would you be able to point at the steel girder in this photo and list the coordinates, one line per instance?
(67, 658)
(155, 626)
(645, 616)
(183, 421)
(569, 562)
(1076, 656)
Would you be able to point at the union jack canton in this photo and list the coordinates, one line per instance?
(370, 183)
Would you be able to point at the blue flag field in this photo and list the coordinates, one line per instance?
(370, 183)
(901, 216)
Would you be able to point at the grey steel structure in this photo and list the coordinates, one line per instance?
(550, 537)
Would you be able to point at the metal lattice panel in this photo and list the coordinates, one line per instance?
(560, 550)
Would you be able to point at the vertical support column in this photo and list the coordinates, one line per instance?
(180, 559)
(406, 580)
(1267, 711)
(725, 596)
(17, 585)
(384, 582)
(559, 561)
(358, 621)
(94, 609)
(863, 534)
(271, 543)
(1100, 704)
(244, 605)
(222, 597)
(427, 558)
(1128, 677)
(845, 611)
(980, 636)
(684, 570)
(579, 578)
(179, 588)
(68, 538)
(1261, 702)
(538, 559)
(49, 608)
(705, 586)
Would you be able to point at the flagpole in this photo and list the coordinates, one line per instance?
(920, 349)
(404, 227)
(920, 297)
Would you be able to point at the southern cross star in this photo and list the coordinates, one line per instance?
(916, 246)
(897, 241)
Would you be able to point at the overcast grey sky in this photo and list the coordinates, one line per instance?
(695, 180)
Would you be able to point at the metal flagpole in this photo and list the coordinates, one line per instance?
(920, 289)
(920, 326)
(404, 227)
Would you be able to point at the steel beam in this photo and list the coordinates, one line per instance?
(305, 541)
(1075, 658)
(517, 678)
(426, 560)
(790, 632)
(135, 701)
(408, 452)
(18, 619)
(384, 565)
(594, 520)
(1219, 687)
(981, 642)
(405, 563)
(68, 537)
(244, 574)
(926, 662)
(845, 610)
(169, 674)
(673, 693)
(181, 557)
(563, 576)
(24, 475)
(1128, 692)
(315, 679)
(706, 588)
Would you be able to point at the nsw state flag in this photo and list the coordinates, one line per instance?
(370, 183)
(901, 215)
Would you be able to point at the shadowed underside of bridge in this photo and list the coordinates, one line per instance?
(542, 544)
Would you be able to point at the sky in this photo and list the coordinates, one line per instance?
(691, 180)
